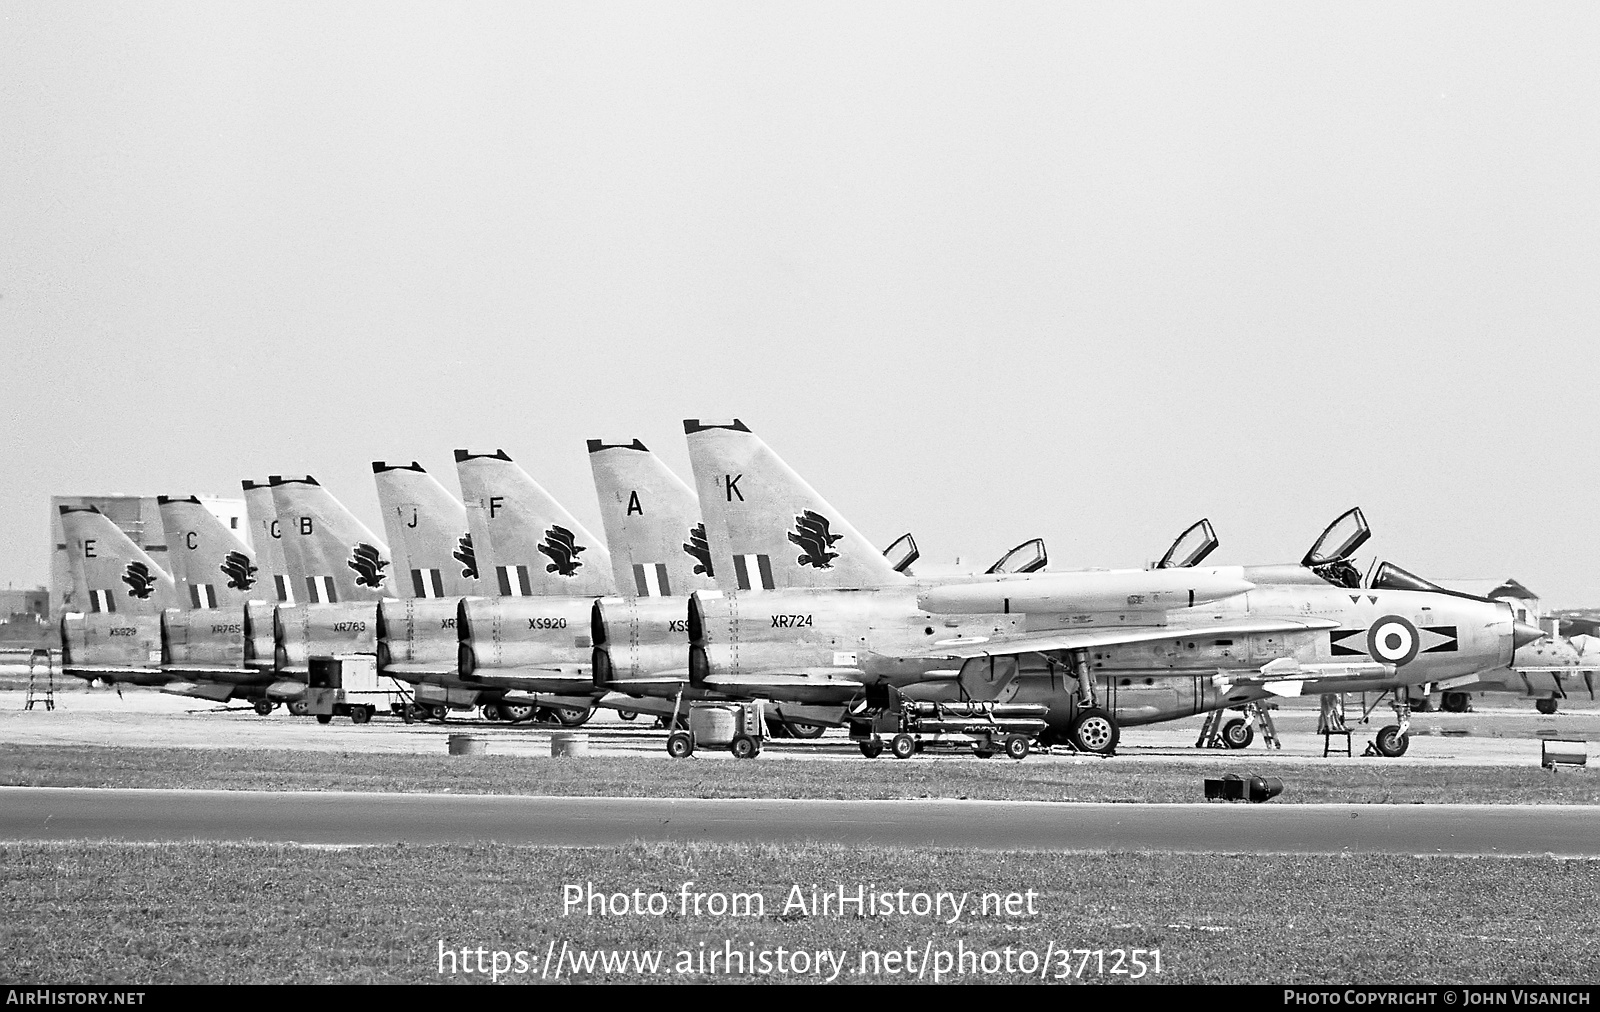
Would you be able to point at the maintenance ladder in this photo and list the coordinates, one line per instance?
(1260, 713)
(48, 695)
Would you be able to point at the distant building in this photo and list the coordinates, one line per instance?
(35, 602)
(140, 519)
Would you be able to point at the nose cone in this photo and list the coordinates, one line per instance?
(1522, 634)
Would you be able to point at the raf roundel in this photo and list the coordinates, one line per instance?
(1392, 640)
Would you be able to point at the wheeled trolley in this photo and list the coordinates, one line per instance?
(984, 728)
(343, 687)
(737, 726)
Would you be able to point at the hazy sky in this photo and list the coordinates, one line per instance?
(980, 271)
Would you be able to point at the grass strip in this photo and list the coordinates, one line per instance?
(235, 913)
(1117, 779)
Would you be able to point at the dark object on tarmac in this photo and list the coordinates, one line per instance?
(1233, 787)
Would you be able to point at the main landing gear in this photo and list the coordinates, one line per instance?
(1094, 729)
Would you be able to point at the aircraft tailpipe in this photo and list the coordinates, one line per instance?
(699, 666)
(600, 666)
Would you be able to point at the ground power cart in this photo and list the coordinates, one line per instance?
(985, 729)
(343, 687)
(739, 727)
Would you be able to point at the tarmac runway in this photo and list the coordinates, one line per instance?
(346, 818)
(1503, 735)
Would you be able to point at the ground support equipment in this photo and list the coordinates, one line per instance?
(747, 733)
(47, 694)
(983, 728)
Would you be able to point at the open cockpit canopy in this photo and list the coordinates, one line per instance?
(1330, 556)
(1192, 546)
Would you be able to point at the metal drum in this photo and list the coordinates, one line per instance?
(468, 744)
(569, 744)
(713, 725)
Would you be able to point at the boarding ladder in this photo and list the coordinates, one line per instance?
(1258, 713)
(36, 694)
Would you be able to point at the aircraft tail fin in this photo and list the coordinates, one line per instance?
(330, 555)
(527, 544)
(267, 536)
(212, 566)
(652, 519)
(427, 528)
(768, 528)
(109, 572)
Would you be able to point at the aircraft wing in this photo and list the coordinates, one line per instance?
(1051, 640)
(487, 675)
(656, 679)
(809, 685)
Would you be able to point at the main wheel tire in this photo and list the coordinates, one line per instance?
(360, 714)
(626, 715)
(324, 718)
(872, 749)
(491, 711)
(1016, 747)
(1546, 706)
(573, 718)
(807, 731)
(903, 746)
(1095, 730)
(298, 708)
(439, 712)
(983, 753)
(744, 747)
(264, 707)
(515, 713)
(1390, 742)
(1454, 702)
(680, 745)
(1237, 733)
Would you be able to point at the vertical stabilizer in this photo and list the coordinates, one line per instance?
(268, 539)
(109, 572)
(427, 529)
(212, 566)
(652, 519)
(526, 544)
(331, 555)
(770, 529)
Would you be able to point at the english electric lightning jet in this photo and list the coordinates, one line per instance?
(814, 615)
(141, 628)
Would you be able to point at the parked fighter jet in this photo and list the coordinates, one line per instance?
(135, 634)
(1169, 643)
(1103, 663)
(119, 637)
(340, 566)
(224, 639)
(531, 638)
(639, 642)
